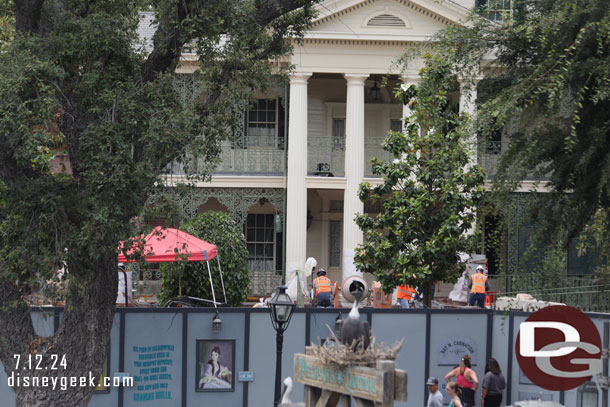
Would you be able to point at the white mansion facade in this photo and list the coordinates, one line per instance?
(293, 176)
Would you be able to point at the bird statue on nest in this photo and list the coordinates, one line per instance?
(286, 402)
(355, 332)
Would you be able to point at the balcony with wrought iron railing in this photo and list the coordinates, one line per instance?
(326, 155)
(489, 154)
(259, 156)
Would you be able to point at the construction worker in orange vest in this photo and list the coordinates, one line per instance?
(405, 294)
(478, 286)
(322, 290)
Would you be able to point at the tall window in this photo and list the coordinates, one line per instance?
(338, 134)
(260, 238)
(335, 244)
(396, 125)
(265, 124)
(496, 10)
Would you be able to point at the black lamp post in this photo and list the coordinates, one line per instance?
(281, 306)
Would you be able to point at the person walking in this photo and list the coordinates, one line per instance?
(405, 294)
(466, 379)
(493, 384)
(453, 390)
(322, 290)
(478, 286)
(435, 399)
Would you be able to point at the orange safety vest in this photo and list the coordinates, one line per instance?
(478, 283)
(321, 285)
(405, 292)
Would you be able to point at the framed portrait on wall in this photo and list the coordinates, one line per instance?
(215, 365)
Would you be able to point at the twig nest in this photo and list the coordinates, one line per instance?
(335, 353)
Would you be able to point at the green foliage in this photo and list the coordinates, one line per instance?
(217, 228)
(75, 79)
(80, 83)
(549, 82)
(429, 195)
(7, 23)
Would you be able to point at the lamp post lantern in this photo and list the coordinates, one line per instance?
(216, 323)
(338, 325)
(281, 307)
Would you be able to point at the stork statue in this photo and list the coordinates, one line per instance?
(354, 331)
(286, 402)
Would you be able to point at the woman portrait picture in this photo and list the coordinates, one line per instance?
(215, 365)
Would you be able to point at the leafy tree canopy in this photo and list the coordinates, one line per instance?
(76, 83)
(429, 194)
(546, 75)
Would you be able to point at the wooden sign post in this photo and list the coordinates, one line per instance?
(329, 386)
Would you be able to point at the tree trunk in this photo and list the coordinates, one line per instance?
(27, 15)
(427, 290)
(82, 337)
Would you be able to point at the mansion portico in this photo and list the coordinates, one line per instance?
(292, 177)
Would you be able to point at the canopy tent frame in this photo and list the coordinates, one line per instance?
(208, 252)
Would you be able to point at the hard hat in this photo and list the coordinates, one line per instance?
(481, 269)
(321, 271)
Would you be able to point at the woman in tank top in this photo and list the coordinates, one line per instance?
(466, 380)
(455, 393)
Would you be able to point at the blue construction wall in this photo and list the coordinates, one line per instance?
(158, 347)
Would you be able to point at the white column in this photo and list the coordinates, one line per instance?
(354, 170)
(296, 194)
(409, 80)
(468, 105)
(468, 96)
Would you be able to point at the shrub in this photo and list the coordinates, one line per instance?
(217, 228)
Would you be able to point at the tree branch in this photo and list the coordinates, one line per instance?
(269, 10)
(170, 37)
(168, 40)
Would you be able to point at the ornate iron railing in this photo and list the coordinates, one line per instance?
(264, 282)
(587, 292)
(326, 155)
(145, 283)
(489, 154)
(252, 159)
(372, 148)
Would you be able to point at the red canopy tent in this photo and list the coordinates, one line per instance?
(170, 245)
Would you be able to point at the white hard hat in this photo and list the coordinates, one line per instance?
(481, 268)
